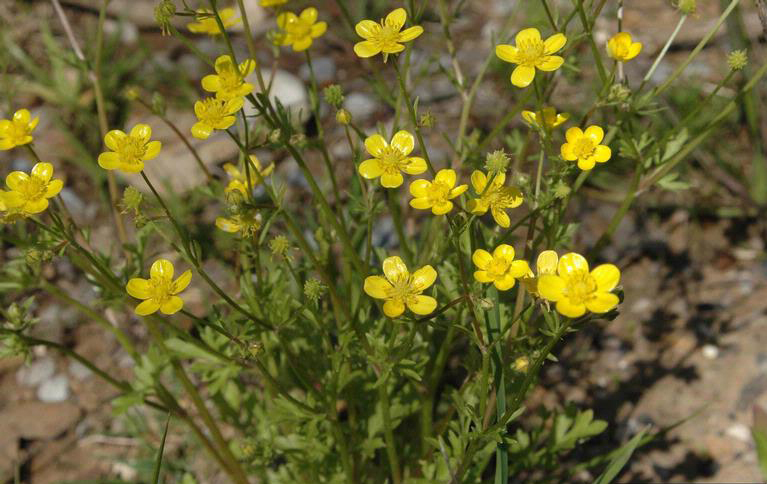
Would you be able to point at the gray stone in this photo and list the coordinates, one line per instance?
(324, 70)
(360, 106)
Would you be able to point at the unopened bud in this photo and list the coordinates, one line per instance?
(343, 116)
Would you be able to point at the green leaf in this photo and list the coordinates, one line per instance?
(759, 432)
(188, 350)
(620, 459)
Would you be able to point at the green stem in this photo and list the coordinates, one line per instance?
(592, 43)
(391, 450)
(413, 118)
(663, 51)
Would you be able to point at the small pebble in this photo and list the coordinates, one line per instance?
(55, 389)
(710, 352)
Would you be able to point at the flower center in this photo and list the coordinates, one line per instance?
(391, 158)
(387, 37)
(438, 192)
(299, 29)
(402, 288)
(530, 51)
(161, 289)
(18, 131)
(501, 197)
(215, 110)
(33, 188)
(133, 150)
(498, 267)
(580, 287)
(621, 50)
(584, 147)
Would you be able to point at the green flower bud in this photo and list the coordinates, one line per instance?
(427, 120)
(279, 245)
(158, 104)
(687, 6)
(737, 59)
(163, 13)
(313, 289)
(131, 201)
(497, 162)
(334, 95)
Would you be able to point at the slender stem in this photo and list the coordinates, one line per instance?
(413, 117)
(501, 451)
(391, 450)
(663, 51)
(698, 48)
(398, 226)
(549, 16)
(592, 43)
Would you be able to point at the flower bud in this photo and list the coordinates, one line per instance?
(334, 95)
(343, 116)
(687, 7)
(163, 13)
(497, 162)
(427, 120)
(737, 59)
(158, 104)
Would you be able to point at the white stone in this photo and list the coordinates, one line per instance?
(36, 372)
(739, 432)
(360, 106)
(55, 389)
(286, 88)
(710, 352)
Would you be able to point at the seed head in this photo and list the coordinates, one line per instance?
(737, 59)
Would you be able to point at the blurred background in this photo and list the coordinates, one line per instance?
(688, 348)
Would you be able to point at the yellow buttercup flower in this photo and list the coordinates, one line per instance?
(213, 113)
(530, 53)
(500, 268)
(546, 264)
(129, 151)
(17, 131)
(206, 21)
(28, 194)
(385, 37)
(238, 179)
(575, 290)
(584, 147)
(547, 117)
(391, 159)
(247, 223)
(273, 3)
(229, 80)
(160, 290)
(497, 197)
(400, 288)
(622, 48)
(299, 31)
(436, 195)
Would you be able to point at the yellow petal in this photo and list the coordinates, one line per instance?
(482, 276)
(573, 135)
(422, 305)
(549, 63)
(478, 181)
(586, 164)
(318, 29)
(596, 134)
(139, 288)
(309, 15)
(571, 263)
(228, 225)
(423, 278)
(634, 50)
(554, 43)
(531, 35)
(442, 208)
(152, 150)
(522, 76)
(366, 49)
(141, 131)
(500, 216)
(418, 188)
(161, 269)
(415, 166)
(21, 116)
(172, 305)
(201, 130)
(420, 203)
(566, 308)
(505, 283)
(568, 152)
(43, 170)
(607, 277)
(367, 29)
(393, 308)
(460, 189)
(520, 268)
(410, 33)
(602, 153)
(396, 18)
(391, 180)
(302, 44)
(551, 287)
(377, 287)
(371, 168)
(547, 262)
(403, 141)
(211, 83)
(446, 176)
(36, 206)
(147, 307)
(53, 188)
(394, 269)
(481, 258)
(182, 282)
(375, 144)
(15, 179)
(504, 251)
(507, 53)
(602, 302)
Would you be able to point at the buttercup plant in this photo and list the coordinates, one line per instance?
(304, 349)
